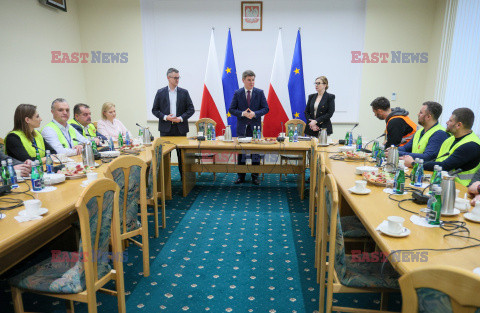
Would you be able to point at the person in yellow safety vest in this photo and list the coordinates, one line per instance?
(462, 150)
(400, 128)
(23, 142)
(61, 135)
(82, 122)
(428, 139)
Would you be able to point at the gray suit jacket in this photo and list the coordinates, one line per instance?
(3, 156)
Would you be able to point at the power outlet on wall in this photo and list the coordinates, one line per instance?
(394, 96)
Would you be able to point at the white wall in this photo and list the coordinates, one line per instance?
(29, 32)
(177, 34)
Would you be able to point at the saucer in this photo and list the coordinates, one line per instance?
(404, 233)
(365, 192)
(469, 216)
(455, 212)
(41, 211)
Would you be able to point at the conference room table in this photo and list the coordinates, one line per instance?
(375, 207)
(226, 156)
(19, 240)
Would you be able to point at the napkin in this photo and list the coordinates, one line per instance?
(477, 270)
(382, 224)
(46, 189)
(27, 218)
(421, 221)
(392, 192)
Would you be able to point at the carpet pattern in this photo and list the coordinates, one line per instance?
(226, 248)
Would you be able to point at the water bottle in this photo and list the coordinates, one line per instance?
(295, 135)
(13, 175)
(94, 147)
(255, 133)
(359, 142)
(120, 140)
(436, 179)
(413, 175)
(214, 136)
(127, 141)
(259, 133)
(5, 174)
(35, 177)
(40, 173)
(350, 138)
(380, 155)
(400, 181)
(49, 162)
(290, 134)
(347, 136)
(209, 132)
(419, 174)
(39, 159)
(111, 146)
(435, 209)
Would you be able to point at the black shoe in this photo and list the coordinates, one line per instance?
(239, 181)
(255, 181)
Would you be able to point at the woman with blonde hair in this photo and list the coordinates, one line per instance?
(109, 126)
(23, 142)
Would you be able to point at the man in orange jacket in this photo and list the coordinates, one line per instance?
(400, 128)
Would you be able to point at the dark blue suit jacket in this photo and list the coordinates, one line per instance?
(258, 104)
(161, 107)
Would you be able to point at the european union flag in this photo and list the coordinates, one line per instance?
(296, 86)
(230, 83)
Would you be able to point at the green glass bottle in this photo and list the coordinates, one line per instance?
(435, 210)
(346, 138)
(39, 159)
(120, 140)
(400, 182)
(414, 172)
(290, 133)
(94, 147)
(5, 174)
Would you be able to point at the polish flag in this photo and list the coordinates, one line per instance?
(213, 103)
(278, 98)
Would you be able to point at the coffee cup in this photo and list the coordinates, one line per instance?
(476, 210)
(92, 176)
(395, 224)
(32, 206)
(360, 185)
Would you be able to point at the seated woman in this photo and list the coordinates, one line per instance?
(20, 143)
(109, 126)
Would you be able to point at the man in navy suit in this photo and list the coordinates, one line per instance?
(248, 105)
(173, 107)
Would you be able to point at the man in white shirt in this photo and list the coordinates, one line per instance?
(61, 135)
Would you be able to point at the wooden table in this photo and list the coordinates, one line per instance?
(372, 209)
(226, 159)
(19, 240)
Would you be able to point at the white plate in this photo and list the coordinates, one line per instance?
(469, 216)
(41, 211)
(404, 233)
(360, 169)
(455, 212)
(346, 148)
(323, 145)
(231, 140)
(245, 140)
(365, 192)
(109, 154)
(55, 160)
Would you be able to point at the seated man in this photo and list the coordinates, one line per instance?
(427, 140)
(61, 135)
(400, 128)
(460, 151)
(25, 168)
(474, 188)
(82, 122)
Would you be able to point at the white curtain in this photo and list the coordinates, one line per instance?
(459, 81)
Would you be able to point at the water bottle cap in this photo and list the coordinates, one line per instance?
(420, 161)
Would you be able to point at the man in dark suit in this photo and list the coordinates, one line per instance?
(248, 105)
(173, 107)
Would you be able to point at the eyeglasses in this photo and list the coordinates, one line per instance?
(317, 83)
(176, 78)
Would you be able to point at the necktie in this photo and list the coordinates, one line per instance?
(248, 98)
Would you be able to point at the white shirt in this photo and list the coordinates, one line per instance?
(50, 135)
(172, 96)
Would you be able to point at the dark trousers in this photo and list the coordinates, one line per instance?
(243, 157)
(175, 132)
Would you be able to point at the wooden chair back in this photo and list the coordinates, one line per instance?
(155, 179)
(457, 284)
(203, 122)
(313, 183)
(297, 124)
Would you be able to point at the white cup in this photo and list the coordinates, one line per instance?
(476, 210)
(18, 173)
(92, 176)
(32, 206)
(395, 224)
(62, 157)
(360, 185)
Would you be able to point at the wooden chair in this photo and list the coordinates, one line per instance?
(78, 276)
(156, 177)
(314, 154)
(129, 172)
(201, 126)
(440, 288)
(299, 125)
(344, 274)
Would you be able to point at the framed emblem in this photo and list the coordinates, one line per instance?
(252, 15)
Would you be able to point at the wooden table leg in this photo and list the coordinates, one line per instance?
(167, 177)
(188, 177)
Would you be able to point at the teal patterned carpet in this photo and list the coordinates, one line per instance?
(226, 248)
